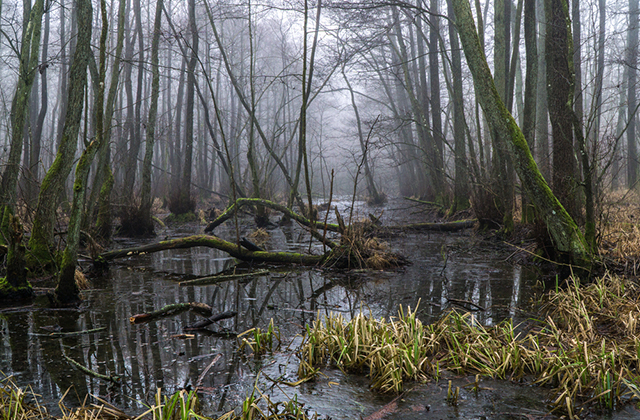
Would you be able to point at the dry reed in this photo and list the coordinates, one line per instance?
(586, 347)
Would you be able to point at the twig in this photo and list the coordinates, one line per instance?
(207, 369)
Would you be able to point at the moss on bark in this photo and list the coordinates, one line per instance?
(567, 238)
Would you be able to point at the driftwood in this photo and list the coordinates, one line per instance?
(173, 309)
(211, 320)
(206, 281)
(217, 243)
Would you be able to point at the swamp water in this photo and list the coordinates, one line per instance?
(447, 270)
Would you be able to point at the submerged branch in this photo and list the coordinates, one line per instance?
(173, 309)
(114, 379)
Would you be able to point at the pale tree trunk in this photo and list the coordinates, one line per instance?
(632, 62)
(594, 132)
(374, 196)
(419, 114)
(67, 289)
(566, 235)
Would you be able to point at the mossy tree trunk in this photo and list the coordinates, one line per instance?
(19, 109)
(567, 238)
(41, 242)
(15, 284)
(67, 289)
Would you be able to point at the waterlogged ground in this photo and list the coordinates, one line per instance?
(453, 270)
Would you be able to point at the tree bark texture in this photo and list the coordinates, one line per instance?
(560, 95)
(27, 71)
(566, 236)
(41, 241)
(67, 289)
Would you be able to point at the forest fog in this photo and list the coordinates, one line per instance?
(197, 100)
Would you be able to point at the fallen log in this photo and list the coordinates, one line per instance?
(442, 227)
(220, 278)
(173, 309)
(211, 320)
(217, 243)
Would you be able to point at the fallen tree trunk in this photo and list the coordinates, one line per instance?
(173, 309)
(217, 243)
(441, 227)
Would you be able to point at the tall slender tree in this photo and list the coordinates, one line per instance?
(632, 99)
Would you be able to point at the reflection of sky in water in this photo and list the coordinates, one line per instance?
(153, 355)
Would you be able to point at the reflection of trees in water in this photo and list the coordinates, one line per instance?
(147, 356)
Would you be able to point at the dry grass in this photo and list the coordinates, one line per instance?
(587, 349)
(620, 227)
(19, 404)
(259, 236)
(359, 249)
(81, 280)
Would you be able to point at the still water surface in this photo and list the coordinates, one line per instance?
(447, 270)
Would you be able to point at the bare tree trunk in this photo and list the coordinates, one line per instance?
(560, 95)
(632, 101)
(136, 135)
(186, 204)
(502, 166)
(36, 141)
(530, 90)
(436, 108)
(461, 181)
(145, 194)
(543, 154)
(374, 196)
(103, 180)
